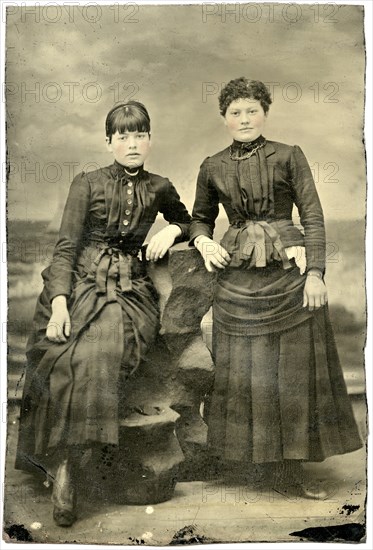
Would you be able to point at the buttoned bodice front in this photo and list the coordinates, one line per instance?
(109, 209)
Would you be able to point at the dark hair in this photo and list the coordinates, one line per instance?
(127, 117)
(244, 88)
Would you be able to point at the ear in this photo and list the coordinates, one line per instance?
(108, 145)
(225, 120)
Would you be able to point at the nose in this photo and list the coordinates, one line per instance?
(132, 142)
(244, 118)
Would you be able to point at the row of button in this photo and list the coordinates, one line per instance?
(127, 212)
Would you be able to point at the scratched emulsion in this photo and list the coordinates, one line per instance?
(18, 533)
(349, 532)
(349, 509)
(189, 535)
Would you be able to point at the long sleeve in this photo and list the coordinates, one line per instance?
(174, 211)
(70, 237)
(206, 206)
(310, 210)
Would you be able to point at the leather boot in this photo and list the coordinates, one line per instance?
(64, 495)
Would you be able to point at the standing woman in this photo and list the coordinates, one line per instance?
(98, 312)
(279, 396)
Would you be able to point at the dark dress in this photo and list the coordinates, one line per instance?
(71, 394)
(279, 391)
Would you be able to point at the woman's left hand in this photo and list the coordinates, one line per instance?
(161, 242)
(315, 294)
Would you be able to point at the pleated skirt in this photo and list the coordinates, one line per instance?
(279, 391)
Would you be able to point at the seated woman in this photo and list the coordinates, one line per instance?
(98, 312)
(279, 395)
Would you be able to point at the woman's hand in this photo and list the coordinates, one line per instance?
(214, 255)
(59, 326)
(299, 255)
(315, 294)
(161, 242)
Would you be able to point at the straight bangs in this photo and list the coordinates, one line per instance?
(128, 117)
(130, 122)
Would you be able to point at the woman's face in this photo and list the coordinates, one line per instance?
(130, 148)
(245, 119)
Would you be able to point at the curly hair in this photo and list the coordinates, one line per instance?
(244, 88)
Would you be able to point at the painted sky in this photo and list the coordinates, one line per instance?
(66, 67)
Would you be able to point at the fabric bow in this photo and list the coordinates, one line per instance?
(113, 267)
(252, 238)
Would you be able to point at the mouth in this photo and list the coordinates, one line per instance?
(133, 155)
(245, 129)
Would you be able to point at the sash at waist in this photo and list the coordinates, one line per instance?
(113, 269)
(256, 243)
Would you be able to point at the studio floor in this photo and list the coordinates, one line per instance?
(200, 511)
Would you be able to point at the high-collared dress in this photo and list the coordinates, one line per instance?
(71, 389)
(279, 391)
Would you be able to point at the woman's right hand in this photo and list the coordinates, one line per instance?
(214, 255)
(59, 326)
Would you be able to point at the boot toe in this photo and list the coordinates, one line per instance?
(63, 518)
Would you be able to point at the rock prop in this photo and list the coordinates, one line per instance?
(170, 386)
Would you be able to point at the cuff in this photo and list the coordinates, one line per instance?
(197, 233)
(314, 265)
(184, 227)
(58, 292)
